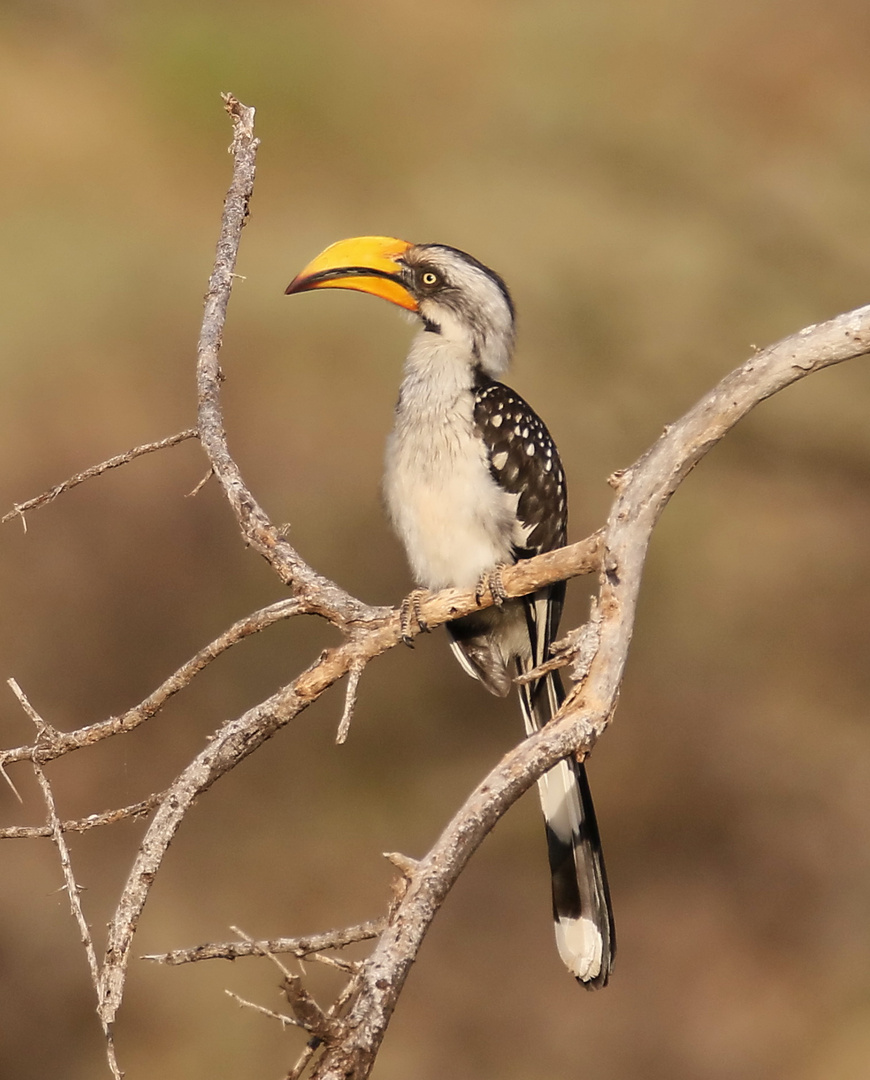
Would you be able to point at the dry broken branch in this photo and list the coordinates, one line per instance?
(57, 743)
(92, 821)
(298, 946)
(643, 492)
(70, 884)
(600, 655)
(20, 509)
(368, 631)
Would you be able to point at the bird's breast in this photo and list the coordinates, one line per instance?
(455, 522)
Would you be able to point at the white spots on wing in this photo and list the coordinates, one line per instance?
(518, 431)
(530, 449)
(499, 460)
(497, 420)
(549, 465)
(525, 432)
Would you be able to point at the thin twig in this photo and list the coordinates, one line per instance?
(72, 888)
(353, 678)
(202, 772)
(284, 1020)
(63, 742)
(321, 958)
(298, 946)
(257, 530)
(201, 484)
(262, 950)
(8, 780)
(92, 821)
(20, 509)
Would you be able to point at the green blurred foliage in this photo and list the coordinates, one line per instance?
(664, 186)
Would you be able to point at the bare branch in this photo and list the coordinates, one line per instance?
(643, 492)
(368, 630)
(298, 946)
(72, 888)
(324, 596)
(238, 738)
(92, 821)
(59, 743)
(283, 1020)
(46, 497)
(598, 652)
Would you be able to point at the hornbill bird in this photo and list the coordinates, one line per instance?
(473, 482)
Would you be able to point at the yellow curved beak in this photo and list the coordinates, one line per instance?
(365, 263)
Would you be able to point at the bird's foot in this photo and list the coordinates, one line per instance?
(412, 612)
(491, 582)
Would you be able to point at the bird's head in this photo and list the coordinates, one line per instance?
(453, 294)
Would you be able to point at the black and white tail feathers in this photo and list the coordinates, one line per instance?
(520, 631)
(581, 900)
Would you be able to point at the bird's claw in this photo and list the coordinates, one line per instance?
(491, 582)
(412, 612)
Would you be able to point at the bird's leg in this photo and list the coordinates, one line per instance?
(411, 609)
(491, 582)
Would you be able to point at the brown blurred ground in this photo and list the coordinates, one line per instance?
(663, 186)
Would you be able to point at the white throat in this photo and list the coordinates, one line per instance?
(453, 519)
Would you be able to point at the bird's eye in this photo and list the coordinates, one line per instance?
(430, 279)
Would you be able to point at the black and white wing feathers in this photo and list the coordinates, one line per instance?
(501, 642)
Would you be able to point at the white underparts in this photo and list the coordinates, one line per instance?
(454, 520)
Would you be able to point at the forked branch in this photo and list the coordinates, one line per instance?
(618, 552)
(643, 492)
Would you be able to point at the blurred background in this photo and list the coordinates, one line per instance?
(664, 187)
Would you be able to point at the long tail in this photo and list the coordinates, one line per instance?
(581, 900)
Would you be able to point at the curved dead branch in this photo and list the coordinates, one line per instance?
(644, 491)
(601, 649)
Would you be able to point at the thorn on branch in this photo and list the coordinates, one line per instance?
(353, 677)
(200, 485)
(45, 733)
(619, 478)
(15, 791)
(403, 863)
